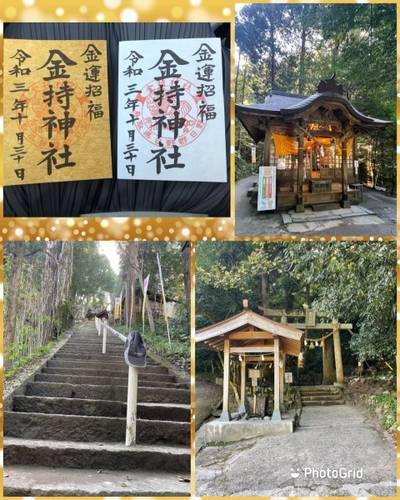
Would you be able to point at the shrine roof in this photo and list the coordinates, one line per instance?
(279, 104)
(248, 317)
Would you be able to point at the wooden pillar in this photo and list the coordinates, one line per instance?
(345, 194)
(338, 355)
(242, 407)
(354, 154)
(277, 412)
(328, 368)
(300, 173)
(225, 415)
(267, 147)
(282, 365)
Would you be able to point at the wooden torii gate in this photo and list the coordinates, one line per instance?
(310, 323)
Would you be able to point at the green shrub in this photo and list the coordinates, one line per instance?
(384, 406)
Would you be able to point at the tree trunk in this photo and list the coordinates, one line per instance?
(132, 273)
(264, 290)
(55, 288)
(272, 62)
(239, 140)
(186, 248)
(237, 73)
(302, 61)
(11, 303)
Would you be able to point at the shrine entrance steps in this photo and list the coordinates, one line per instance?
(321, 395)
(65, 435)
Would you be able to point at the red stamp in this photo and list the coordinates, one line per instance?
(34, 126)
(189, 110)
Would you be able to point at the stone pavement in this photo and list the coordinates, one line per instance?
(375, 217)
(333, 438)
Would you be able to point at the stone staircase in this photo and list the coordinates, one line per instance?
(321, 395)
(65, 434)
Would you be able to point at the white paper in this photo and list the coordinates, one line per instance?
(162, 135)
(266, 188)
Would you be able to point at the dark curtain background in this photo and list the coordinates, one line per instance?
(112, 195)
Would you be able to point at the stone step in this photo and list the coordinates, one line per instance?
(111, 456)
(92, 372)
(321, 395)
(88, 428)
(321, 391)
(101, 408)
(111, 393)
(65, 363)
(321, 207)
(324, 397)
(324, 403)
(317, 388)
(95, 341)
(82, 379)
(98, 356)
(50, 482)
(96, 351)
(101, 358)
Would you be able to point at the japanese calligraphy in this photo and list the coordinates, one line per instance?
(56, 111)
(171, 122)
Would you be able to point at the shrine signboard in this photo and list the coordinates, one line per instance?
(55, 111)
(171, 123)
(266, 188)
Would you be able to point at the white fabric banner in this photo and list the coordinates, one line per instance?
(171, 124)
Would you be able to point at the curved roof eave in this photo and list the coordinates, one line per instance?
(259, 109)
(310, 101)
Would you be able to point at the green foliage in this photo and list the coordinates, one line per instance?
(92, 274)
(384, 406)
(20, 362)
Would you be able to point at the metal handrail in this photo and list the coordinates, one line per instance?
(131, 403)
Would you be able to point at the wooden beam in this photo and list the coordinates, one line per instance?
(282, 377)
(300, 173)
(250, 335)
(322, 326)
(257, 359)
(276, 415)
(243, 350)
(282, 312)
(267, 147)
(354, 158)
(242, 407)
(225, 415)
(345, 194)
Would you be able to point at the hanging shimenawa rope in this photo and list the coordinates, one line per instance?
(316, 342)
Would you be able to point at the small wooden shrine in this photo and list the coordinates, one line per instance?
(312, 142)
(253, 338)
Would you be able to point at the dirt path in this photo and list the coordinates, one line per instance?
(330, 438)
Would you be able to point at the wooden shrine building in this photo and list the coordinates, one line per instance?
(252, 338)
(312, 142)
